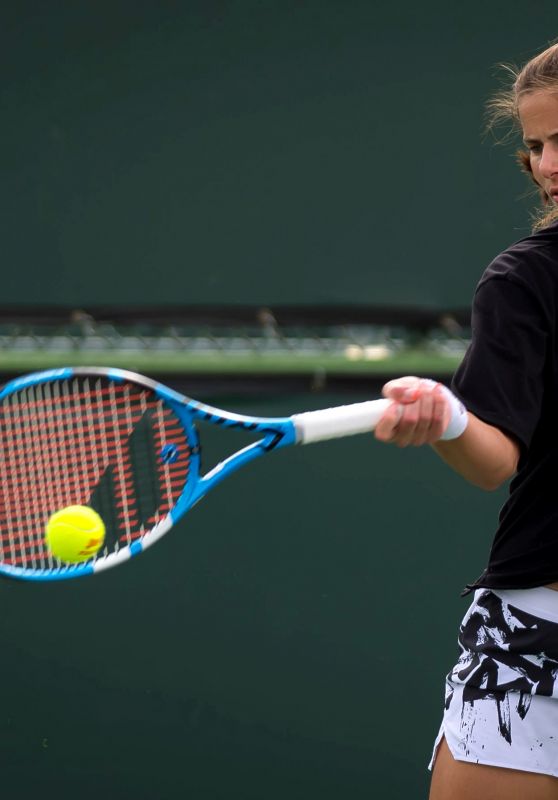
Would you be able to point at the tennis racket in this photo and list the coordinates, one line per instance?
(129, 448)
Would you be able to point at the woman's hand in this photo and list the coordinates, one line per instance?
(419, 414)
(423, 411)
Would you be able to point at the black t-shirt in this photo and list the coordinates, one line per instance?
(509, 378)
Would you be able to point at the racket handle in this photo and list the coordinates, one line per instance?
(332, 423)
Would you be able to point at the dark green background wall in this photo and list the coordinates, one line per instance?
(288, 640)
(319, 151)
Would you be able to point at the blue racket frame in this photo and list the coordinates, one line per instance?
(275, 433)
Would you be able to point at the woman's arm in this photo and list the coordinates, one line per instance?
(483, 454)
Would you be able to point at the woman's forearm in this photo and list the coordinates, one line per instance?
(483, 454)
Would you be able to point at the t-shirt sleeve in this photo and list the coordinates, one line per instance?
(500, 379)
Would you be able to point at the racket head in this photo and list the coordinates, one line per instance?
(105, 438)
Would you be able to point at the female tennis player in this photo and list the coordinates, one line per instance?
(499, 735)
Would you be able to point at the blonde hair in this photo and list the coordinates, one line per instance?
(539, 73)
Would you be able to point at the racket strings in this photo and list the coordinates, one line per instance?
(86, 442)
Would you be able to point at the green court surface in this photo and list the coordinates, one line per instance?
(405, 362)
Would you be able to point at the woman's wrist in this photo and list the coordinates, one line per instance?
(459, 418)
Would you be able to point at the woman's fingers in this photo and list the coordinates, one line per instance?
(387, 426)
(418, 415)
(402, 390)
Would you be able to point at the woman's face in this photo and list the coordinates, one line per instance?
(538, 114)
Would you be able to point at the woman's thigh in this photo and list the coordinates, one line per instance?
(462, 780)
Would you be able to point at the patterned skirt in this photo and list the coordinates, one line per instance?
(501, 704)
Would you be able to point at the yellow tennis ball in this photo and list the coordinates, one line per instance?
(75, 534)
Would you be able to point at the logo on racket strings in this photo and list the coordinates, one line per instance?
(169, 453)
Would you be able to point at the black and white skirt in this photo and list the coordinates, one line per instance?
(501, 697)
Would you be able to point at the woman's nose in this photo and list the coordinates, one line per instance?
(548, 164)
